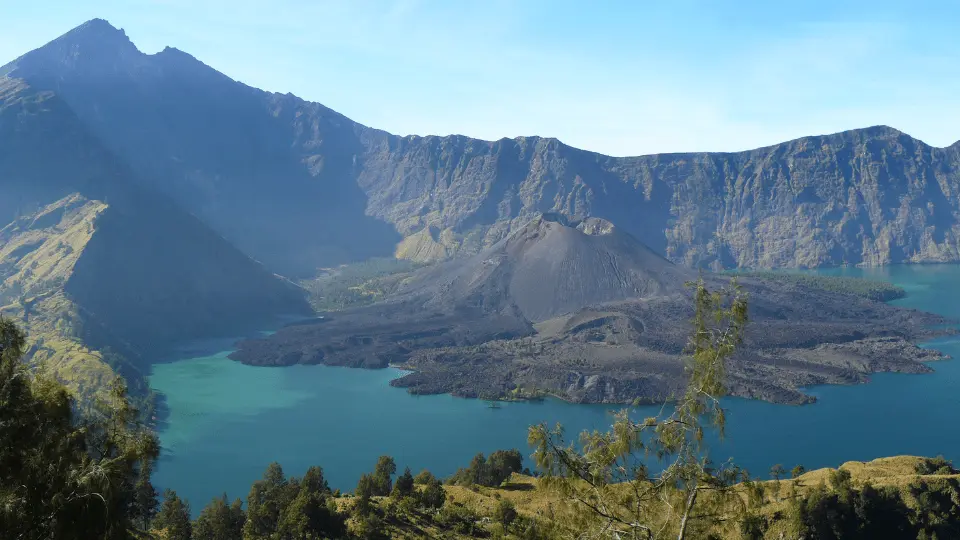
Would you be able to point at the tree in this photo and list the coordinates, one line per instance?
(382, 474)
(937, 507)
(404, 485)
(174, 517)
(366, 488)
(432, 495)
(489, 471)
(503, 463)
(266, 502)
(797, 471)
(313, 482)
(311, 515)
(423, 477)
(610, 489)
(220, 520)
(145, 499)
(370, 527)
(842, 512)
(776, 472)
(68, 470)
(476, 473)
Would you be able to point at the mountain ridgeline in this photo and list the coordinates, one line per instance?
(148, 198)
(297, 185)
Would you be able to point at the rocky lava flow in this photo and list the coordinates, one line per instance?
(583, 311)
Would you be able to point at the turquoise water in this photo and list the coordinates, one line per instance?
(228, 421)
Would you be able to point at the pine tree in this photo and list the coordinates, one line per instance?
(313, 482)
(174, 517)
(382, 475)
(145, 501)
(220, 520)
(266, 502)
(366, 488)
(404, 485)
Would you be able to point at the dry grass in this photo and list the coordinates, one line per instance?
(37, 257)
(533, 501)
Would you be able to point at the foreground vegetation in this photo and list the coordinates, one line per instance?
(81, 473)
(874, 290)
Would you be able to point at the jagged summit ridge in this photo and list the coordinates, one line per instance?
(95, 46)
(97, 30)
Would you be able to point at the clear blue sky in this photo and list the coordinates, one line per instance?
(619, 77)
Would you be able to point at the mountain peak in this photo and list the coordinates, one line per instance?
(94, 47)
(97, 33)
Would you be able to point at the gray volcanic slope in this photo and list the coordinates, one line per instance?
(588, 313)
(550, 267)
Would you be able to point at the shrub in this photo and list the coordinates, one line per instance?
(506, 513)
(937, 465)
(459, 518)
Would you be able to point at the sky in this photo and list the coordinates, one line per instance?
(626, 77)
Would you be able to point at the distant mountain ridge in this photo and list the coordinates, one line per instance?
(297, 185)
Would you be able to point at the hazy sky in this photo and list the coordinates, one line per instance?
(620, 77)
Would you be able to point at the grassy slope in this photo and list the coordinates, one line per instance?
(533, 502)
(37, 257)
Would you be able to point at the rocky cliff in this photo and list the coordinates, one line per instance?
(871, 196)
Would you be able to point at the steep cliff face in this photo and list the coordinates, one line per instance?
(871, 196)
(297, 185)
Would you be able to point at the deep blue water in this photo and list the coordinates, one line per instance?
(228, 421)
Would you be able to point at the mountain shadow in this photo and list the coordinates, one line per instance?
(92, 263)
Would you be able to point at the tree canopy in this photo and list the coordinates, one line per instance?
(64, 475)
